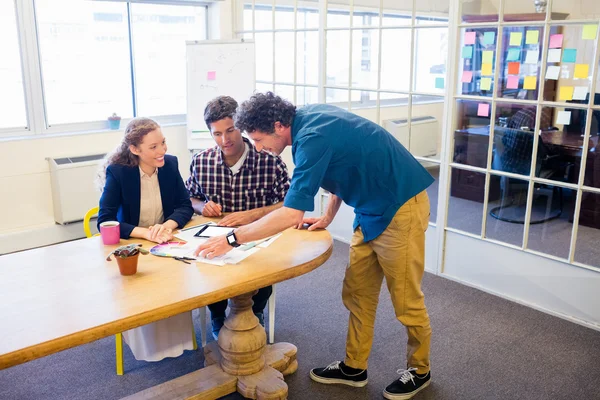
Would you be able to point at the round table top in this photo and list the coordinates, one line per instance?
(64, 295)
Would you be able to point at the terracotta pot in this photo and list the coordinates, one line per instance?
(128, 265)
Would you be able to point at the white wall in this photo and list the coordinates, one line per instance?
(547, 285)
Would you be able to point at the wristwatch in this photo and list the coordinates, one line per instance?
(232, 240)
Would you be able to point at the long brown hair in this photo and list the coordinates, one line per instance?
(134, 135)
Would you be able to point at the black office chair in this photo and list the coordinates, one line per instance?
(513, 153)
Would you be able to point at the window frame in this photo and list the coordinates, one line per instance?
(35, 99)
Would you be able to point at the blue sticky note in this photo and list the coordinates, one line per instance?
(489, 37)
(514, 54)
(439, 83)
(569, 55)
(467, 52)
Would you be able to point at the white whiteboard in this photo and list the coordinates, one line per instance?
(215, 68)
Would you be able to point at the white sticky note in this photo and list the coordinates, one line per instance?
(532, 57)
(580, 93)
(553, 72)
(563, 118)
(554, 55)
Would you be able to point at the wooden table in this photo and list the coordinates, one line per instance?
(62, 296)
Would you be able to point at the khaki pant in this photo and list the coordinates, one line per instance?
(399, 255)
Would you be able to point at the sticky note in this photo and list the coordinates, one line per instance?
(486, 83)
(486, 70)
(532, 37)
(589, 32)
(489, 37)
(580, 93)
(570, 55)
(563, 118)
(554, 55)
(483, 110)
(512, 82)
(211, 75)
(582, 71)
(553, 72)
(470, 38)
(439, 83)
(467, 52)
(467, 76)
(513, 54)
(530, 83)
(566, 93)
(516, 38)
(532, 57)
(514, 68)
(487, 57)
(556, 41)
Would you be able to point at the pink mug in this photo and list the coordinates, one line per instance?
(110, 232)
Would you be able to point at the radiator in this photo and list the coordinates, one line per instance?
(421, 140)
(73, 189)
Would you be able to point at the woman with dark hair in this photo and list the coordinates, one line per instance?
(143, 190)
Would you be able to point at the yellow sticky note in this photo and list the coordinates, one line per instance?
(486, 70)
(516, 38)
(589, 32)
(566, 93)
(532, 37)
(530, 83)
(487, 57)
(486, 83)
(582, 71)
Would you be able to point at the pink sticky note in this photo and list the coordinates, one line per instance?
(470, 38)
(211, 75)
(556, 41)
(512, 82)
(467, 76)
(483, 110)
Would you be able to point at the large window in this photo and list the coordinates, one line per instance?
(12, 98)
(527, 122)
(89, 59)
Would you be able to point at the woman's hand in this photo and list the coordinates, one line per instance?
(159, 233)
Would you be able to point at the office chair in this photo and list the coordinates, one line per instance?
(512, 153)
(119, 336)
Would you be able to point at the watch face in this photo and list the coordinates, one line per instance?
(230, 239)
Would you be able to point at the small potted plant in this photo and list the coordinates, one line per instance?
(114, 121)
(127, 257)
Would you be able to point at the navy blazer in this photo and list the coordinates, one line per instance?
(120, 199)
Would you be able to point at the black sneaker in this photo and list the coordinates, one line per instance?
(409, 384)
(338, 372)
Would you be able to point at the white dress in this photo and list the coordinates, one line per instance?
(168, 337)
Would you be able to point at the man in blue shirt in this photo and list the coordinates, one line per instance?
(359, 163)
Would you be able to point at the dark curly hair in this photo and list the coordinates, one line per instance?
(262, 110)
(219, 108)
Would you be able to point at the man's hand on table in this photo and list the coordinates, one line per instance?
(213, 247)
(315, 223)
(212, 209)
(239, 218)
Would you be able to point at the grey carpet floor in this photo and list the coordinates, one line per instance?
(483, 347)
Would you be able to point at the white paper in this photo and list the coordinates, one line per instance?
(234, 256)
(580, 93)
(553, 72)
(564, 118)
(554, 55)
(532, 57)
(270, 240)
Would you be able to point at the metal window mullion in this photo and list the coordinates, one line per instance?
(379, 57)
(584, 153)
(350, 69)
(132, 62)
(295, 58)
(322, 51)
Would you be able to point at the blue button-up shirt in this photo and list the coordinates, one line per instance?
(355, 159)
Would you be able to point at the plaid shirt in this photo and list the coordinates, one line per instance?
(262, 180)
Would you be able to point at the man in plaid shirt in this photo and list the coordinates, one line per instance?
(233, 177)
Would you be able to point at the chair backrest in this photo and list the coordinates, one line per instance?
(514, 147)
(86, 220)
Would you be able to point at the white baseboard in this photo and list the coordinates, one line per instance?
(38, 236)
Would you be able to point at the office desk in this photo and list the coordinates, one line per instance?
(471, 148)
(62, 296)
